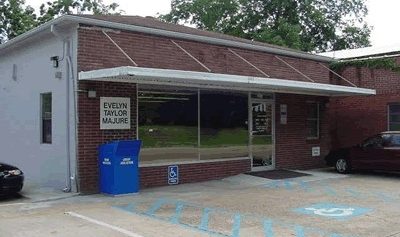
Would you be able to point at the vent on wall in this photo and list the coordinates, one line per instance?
(14, 72)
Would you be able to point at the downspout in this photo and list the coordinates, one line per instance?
(76, 120)
(66, 53)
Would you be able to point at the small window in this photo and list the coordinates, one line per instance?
(394, 117)
(46, 115)
(312, 123)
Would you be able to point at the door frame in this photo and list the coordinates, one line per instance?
(250, 129)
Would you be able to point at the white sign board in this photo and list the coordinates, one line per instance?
(316, 151)
(115, 113)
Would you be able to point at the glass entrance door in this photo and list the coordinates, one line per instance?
(262, 135)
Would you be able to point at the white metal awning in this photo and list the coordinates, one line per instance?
(218, 81)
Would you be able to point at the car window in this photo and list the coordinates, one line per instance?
(387, 140)
(374, 142)
(395, 141)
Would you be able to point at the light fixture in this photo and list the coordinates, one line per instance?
(54, 59)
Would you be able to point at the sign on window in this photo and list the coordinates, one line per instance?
(115, 113)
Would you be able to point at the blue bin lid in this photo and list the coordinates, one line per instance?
(122, 147)
(128, 147)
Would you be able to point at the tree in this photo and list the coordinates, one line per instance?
(16, 18)
(308, 25)
(61, 7)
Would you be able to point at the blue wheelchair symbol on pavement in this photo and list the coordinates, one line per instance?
(335, 211)
(173, 175)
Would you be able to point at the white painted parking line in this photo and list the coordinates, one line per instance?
(100, 223)
(13, 204)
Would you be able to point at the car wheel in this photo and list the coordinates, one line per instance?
(342, 166)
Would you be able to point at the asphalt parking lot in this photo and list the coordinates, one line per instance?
(323, 204)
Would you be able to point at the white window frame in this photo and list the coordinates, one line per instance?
(314, 119)
(41, 118)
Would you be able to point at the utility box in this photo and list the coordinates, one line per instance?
(119, 169)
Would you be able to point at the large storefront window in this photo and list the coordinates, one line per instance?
(168, 125)
(190, 125)
(223, 125)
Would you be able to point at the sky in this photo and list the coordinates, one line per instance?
(383, 16)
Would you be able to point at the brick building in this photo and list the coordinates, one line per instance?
(215, 105)
(369, 115)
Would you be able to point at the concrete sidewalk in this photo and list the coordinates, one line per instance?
(322, 205)
(33, 193)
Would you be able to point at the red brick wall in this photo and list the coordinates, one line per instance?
(293, 149)
(356, 118)
(189, 173)
(159, 52)
(89, 134)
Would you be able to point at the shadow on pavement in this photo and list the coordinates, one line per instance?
(11, 197)
(382, 174)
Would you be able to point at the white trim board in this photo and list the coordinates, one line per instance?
(218, 81)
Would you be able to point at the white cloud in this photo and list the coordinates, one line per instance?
(384, 16)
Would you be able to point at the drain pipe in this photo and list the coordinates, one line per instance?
(76, 118)
(66, 53)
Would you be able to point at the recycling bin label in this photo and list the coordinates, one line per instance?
(126, 161)
(106, 161)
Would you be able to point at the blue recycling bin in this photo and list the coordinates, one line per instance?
(119, 170)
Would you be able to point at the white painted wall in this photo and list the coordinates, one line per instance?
(20, 143)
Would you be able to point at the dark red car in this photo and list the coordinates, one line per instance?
(11, 179)
(379, 152)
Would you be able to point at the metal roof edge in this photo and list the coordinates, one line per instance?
(30, 33)
(223, 78)
(160, 32)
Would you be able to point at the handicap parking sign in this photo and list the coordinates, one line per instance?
(173, 175)
(335, 211)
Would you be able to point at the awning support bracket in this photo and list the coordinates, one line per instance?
(337, 74)
(120, 49)
(246, 61)
(190, 55)
(295, 69)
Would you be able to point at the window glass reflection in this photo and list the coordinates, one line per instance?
(223, 125)
(168, 125)
(261, 141)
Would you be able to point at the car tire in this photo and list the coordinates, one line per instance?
(342, 166)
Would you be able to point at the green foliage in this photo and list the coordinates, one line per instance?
(309, 25)
(16, 18)
(185, 136)
(379, 63)
(56, 8)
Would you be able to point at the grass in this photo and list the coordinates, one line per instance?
(168, 136)
(185, 136)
